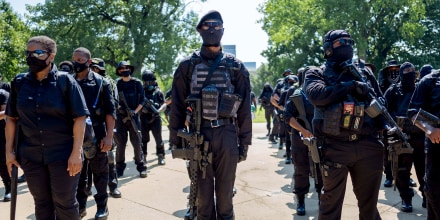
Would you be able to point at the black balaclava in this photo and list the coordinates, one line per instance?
(211, 37)
(341, 53)
(407, 80)
(35, 64)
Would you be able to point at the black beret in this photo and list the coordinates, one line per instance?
(210, 15)
(335, 34)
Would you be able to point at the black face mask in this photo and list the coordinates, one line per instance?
(126, 73)
(341, 54)
(211, 37)
(79, 67)
(408, 81)
(35, 64)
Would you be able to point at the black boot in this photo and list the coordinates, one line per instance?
(301, 206)
(7, 197)
(188, 213)
(102, 213)
(288, 159)
(406, 205)
(160, 159)
(281, 143)
(272, 139)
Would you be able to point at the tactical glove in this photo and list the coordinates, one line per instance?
(360, 88)
(392, 136)
(242, 152)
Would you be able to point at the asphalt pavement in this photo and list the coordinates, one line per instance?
(263, 182)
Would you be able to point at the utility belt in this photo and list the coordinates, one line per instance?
(353, 137)
(217, 123)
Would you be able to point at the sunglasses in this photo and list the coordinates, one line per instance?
(212, 24)
(36, 53)
(344, 41)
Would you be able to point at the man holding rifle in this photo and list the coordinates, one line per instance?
(423, 111)
(150, 115)
(342, 116)
(398, 97)
(222, 130)
(131, 99)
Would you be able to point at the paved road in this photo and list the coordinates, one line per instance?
(263, 183)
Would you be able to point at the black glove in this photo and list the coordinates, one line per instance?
(360, 88)
(392, 136)
(242, 152)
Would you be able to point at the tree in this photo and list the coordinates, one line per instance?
(380, 28)
(146, 33)
(13, 38)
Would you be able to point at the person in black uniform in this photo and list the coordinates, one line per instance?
(132, 90)
(264, 100)
(229, 130)
(50, 110)
(286, 92)
(151, 121)
(101, 105)
(302, 128)
(398, 98)
(281, 86)
(427, 97)
(98, 66)
(350, 147)
(4, 95)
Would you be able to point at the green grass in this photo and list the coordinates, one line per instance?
(259, 116)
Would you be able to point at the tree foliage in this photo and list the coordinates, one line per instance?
(13, 37)
(382, 29)
(147, 33)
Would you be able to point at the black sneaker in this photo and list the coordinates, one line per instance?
(388, 183)
(412, 183)
(21, 179)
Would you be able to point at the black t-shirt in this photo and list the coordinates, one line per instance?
(99, 100)
(133, 93)
(45, 110)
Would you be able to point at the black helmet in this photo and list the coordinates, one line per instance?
(287, 72)
(148, 75)
(330, 37)
(66, 66)
(425, 70)
(124, 63)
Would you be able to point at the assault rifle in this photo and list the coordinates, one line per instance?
(376, 108)
(149, 104)
(196, 149)
(129, 116)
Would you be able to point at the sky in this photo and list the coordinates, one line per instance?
(239, 20)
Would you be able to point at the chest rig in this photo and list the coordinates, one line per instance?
(347, 117)
(214, 83)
